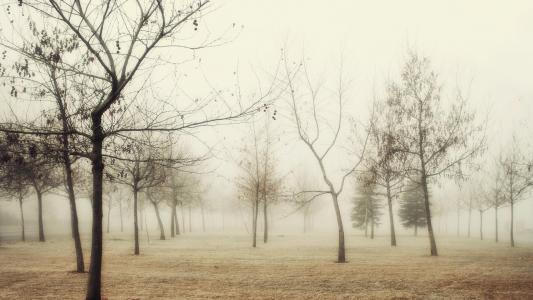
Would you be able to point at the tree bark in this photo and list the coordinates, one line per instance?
(265, 221)
(136, 220)
(95, 268)
(391, 218)
(432, 242)
(255, 214)
(182, 218)
(176, 220)
(22, 220)
(161, 228)
(40, 214)
(67, 163)
(341, 255)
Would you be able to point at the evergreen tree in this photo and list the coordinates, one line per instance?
(367, 207)
(412, 212)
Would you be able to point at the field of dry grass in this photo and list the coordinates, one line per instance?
(291, 267)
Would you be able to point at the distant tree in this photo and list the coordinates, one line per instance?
(412, 209)
(516, 179)
(14, 184)
(481, 201)
(157, 195)
(367, 207)
(441, 141)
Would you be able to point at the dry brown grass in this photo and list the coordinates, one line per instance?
(293, 267)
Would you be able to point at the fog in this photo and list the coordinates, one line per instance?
(303, 106)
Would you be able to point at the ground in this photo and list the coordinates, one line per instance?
(198, 266)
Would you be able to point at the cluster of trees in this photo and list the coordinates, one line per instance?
(99, 128)
(87, 65)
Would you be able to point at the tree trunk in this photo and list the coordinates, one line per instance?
(416, 230)
(121, 220)
(136, 220)
(108, 215)
(67, 163)
(372, 228)
(366, 221)
(481, 224)
(22, 220)
(265, 221)
(432, 242)
(496, 222)
(341, 256)
(182, 218)
(391, 219)
(255, 217)
(40, 214)
(95, 268)
(176, 220)
(172, 220)
(512, 222)
(161, 228)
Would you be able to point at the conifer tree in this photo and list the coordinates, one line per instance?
(412, 214)
(367, 207)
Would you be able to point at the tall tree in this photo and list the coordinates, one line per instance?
(313, 133)
(441, 141)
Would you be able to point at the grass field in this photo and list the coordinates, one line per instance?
(200, 266)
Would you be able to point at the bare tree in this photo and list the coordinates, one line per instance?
(386, 167)
(440, 141)
(516, 179)
(316, 140)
